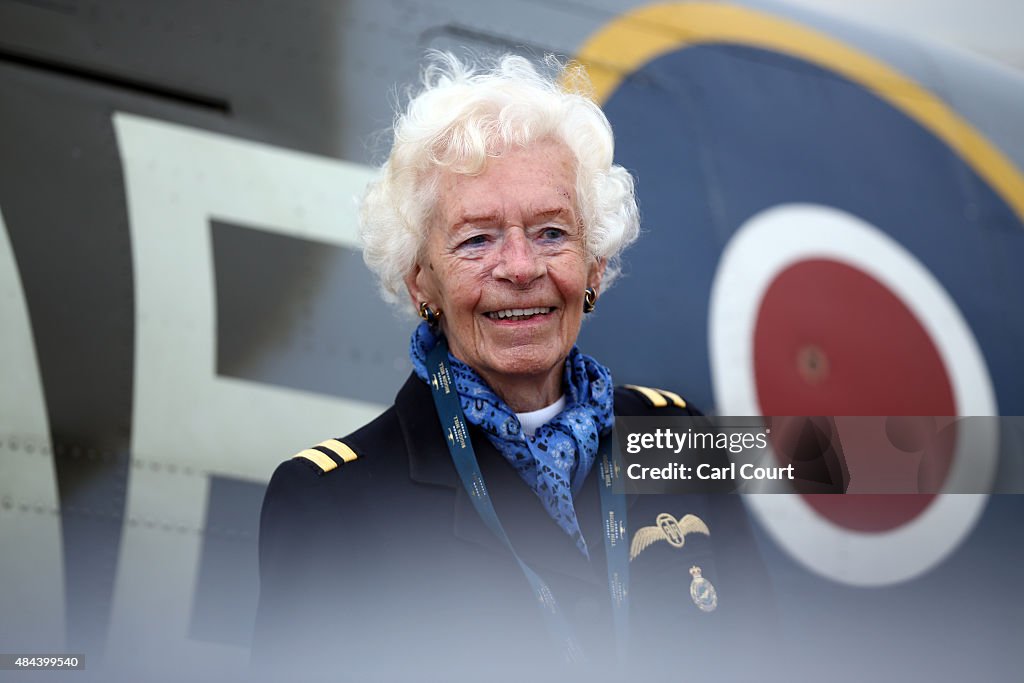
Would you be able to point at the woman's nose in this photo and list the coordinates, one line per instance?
(517, 261)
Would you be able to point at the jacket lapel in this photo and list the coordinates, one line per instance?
(536, 537)
(429, 460)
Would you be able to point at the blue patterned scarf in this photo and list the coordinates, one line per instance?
(555, 461)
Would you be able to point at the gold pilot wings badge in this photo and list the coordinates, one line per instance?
(668, 529)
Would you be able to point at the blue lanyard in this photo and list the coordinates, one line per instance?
(613, 512)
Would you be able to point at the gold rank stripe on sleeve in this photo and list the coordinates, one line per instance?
(676, 399)
(339, 448)
(324, 462)
(658, 398)
(323, 454)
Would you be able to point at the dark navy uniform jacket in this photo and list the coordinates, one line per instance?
(381, 569)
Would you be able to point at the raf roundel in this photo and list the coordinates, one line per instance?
(931, 364)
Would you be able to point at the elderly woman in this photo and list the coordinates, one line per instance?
(468, 532)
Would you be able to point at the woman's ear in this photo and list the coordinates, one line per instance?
(422, 286)
(596, 274)
(412, 285)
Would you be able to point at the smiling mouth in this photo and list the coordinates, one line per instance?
(519, 313)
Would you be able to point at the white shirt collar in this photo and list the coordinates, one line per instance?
(533, 420)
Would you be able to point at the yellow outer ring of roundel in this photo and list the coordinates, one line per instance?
(640, 36)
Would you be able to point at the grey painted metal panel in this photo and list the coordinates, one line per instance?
(299, 313)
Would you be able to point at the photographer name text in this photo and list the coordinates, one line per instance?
(704, 471)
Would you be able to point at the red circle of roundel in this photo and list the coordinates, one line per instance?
(830, 339)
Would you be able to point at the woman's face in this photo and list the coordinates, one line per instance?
(505, 261)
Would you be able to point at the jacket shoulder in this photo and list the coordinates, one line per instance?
(632, 399)
(333, 454)
(306, 490)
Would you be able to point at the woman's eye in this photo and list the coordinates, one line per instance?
(474, 241)
(552, 233)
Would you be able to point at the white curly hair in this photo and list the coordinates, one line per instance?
(464, 114)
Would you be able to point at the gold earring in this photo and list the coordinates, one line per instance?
(589, 300)
(429, 314)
